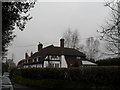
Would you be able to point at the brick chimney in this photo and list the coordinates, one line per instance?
(26, 56)
(62, 46)
(40, 46)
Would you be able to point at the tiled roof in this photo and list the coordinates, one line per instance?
(52, 50)
(21, 61)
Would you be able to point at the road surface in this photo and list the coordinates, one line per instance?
(21, 87)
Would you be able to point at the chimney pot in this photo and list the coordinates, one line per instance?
(40, 46)
(26, 56)
(31, 53)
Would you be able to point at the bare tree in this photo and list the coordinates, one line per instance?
(111, 32)
(67, 36)
(71, 38)
(75, 39)
(82, 48)
(92, 48)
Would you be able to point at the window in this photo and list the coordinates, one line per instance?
(28, 60)
(58, 58)
(56, 65)
(70, 64)
(51, 65)
(54, 57)
(78, 57)
(50, 57)
(35, 60)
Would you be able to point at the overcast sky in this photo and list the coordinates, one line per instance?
(52, 19)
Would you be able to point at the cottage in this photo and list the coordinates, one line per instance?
(52, 57)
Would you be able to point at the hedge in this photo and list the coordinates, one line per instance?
(52, 83)
(98, 75)
(109, 62)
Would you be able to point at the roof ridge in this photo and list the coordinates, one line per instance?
(49, 46)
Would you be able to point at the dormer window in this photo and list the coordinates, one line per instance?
(54, 57)
(50, 57)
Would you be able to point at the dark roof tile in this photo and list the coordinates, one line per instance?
(52, 50)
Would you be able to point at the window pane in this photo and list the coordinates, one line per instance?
(56, 65)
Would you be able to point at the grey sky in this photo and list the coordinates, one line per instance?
(52, 19)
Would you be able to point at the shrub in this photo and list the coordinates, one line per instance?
(98, 75)
(109, 62)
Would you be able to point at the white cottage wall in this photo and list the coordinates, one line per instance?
(63, 62)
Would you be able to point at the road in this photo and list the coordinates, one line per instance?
(21, 87)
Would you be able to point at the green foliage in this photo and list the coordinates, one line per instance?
(52, 83)
(4, 67)
(13, 14)
(97, 75)
(46, 73)
(109, 62)
(13, 72)
(76, 64)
